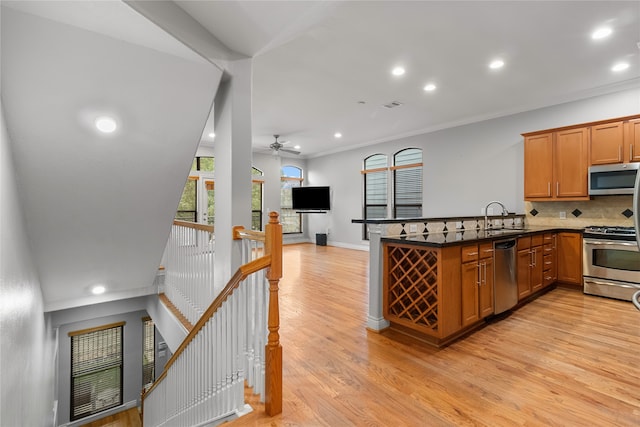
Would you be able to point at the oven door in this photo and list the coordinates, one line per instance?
(612, 259)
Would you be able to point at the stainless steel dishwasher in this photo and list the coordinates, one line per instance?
(505, 291)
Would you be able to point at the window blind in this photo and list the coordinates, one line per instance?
(407, 183)
(96, 370)
(148, 354)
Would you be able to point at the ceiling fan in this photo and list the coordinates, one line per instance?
(277, 147)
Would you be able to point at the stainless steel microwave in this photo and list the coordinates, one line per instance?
(612, 179)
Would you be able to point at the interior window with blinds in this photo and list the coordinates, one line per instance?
(375, 173)
(407, 183)
(148, 353)
(96, 370)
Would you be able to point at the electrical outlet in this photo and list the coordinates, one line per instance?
(413, 228)
(458, 224)
(496, 222)
(489, 211)
(563, 215)
(517, 221)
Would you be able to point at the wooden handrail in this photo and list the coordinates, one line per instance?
(242, 273)
(194, 225)
(272, 260)
(239, 232)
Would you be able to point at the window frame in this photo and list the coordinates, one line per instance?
(287, 211)
(403, 167)
(257, 180)
(97, 335)
(366, 171)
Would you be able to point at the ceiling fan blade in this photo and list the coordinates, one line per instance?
(288, 150)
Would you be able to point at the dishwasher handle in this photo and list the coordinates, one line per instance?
(504, 244)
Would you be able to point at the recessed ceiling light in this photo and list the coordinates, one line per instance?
(601, 33)
(212, 135)
(397, 71)
(497, 63)
(337, 135)
(99, 289)
(429, 87)
(297, 147)
(106, 124)
(620, 66)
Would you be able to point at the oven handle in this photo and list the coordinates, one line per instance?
(592, 242)
(636, 299)
(597, 282)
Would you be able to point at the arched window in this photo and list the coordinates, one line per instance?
(290, 176)
(257, 182)
(375, 175)
(407, 183)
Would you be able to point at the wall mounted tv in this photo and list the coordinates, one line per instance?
(311, 198)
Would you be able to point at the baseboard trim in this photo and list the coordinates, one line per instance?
(91, 418)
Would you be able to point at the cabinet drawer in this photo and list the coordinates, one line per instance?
(486, 250)
(547, 250)
(547, 262)
(469, 253)
(524, 243)
(547, 278)
(537, 240)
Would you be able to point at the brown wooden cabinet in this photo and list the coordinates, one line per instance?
(570, 258)
(529, 265)
(556, 165)
(607, 141)
(477, 282)
(632, 140)
(571, 163)
(549, 257)
(538, 166)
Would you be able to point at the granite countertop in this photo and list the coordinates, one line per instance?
(457, 237)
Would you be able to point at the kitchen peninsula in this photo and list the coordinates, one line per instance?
(428, 276)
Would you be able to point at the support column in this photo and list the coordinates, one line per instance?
(375, 318)
(232, 150)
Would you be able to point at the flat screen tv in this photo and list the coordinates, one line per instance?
(311, 198)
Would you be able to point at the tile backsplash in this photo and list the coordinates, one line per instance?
(600, 210)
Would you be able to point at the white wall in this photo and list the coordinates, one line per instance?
(464, 167)
(26, 340)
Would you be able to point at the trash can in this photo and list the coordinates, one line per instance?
(321, 239)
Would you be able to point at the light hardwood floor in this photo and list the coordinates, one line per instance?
(128, 418)
(565, 359)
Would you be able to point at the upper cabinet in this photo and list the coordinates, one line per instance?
(556, 161)
(632, 140)
(556, 165)
(607, 143)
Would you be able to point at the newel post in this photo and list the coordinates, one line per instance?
(273, 349)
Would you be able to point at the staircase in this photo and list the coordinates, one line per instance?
(235, 339)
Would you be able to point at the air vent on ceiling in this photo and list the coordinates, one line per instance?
(392, 104)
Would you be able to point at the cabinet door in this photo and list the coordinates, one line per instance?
(486, 288)
(538, 166)
(570, 258)
(571, 163)
(524, 273)
(537, 266)
(606, 143)
(470, 285)
(634, 140)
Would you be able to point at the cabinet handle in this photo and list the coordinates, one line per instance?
(631, 152)
(484, 265)
(549, 188)
(619, 153)
(534, 257)
(479, 281)
(472, 253)
(557, 188)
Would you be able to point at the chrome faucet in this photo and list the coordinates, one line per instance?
(505, 212)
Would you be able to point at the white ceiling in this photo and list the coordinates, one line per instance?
(98, 208)
(315, 61)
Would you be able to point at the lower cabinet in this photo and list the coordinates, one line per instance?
(570, 258)
(549, 259)
(530, 265)
(476, 282)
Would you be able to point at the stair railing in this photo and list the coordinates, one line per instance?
(189, 270)
(204, 380)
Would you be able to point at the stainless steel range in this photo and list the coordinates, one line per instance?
(611, 262)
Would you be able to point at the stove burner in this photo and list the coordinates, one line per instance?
(600, 231)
